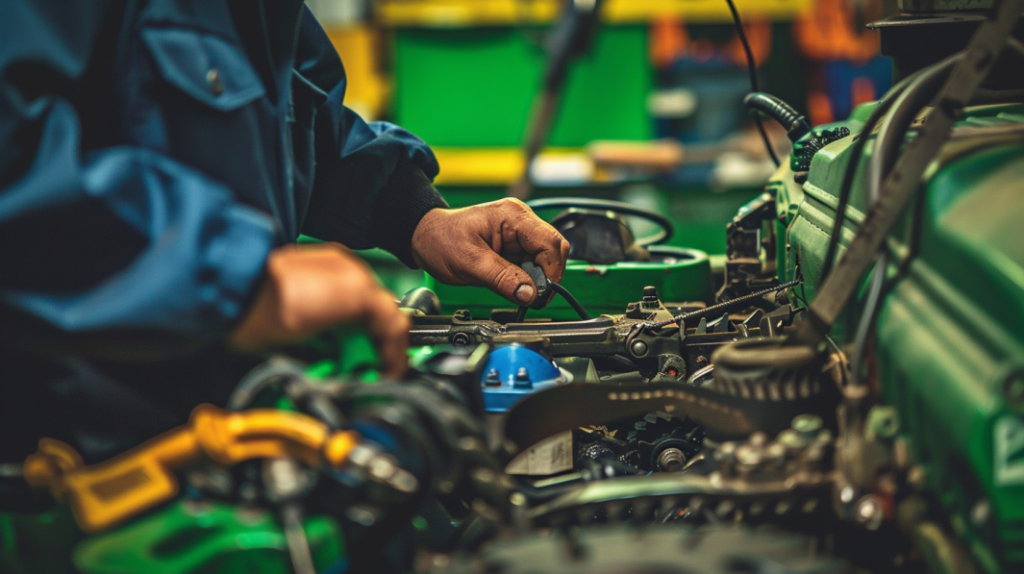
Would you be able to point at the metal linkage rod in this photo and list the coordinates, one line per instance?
(726, 305)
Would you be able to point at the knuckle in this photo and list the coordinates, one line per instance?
(505, 277)
(513, 203)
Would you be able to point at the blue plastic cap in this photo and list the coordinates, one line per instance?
(512, 373)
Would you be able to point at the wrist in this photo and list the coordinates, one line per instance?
(424, 232)
(399, 209)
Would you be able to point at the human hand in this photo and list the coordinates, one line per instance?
(484, 245)
(310, 288)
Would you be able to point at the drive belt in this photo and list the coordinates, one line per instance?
(574, 405)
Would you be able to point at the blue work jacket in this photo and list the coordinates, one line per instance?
(152, 153)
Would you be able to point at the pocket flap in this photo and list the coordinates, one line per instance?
(207, 68)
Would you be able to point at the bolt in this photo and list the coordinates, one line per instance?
(883, 423)
(381, 467)
(807, 426)
(460, 339)
(702, 361)
(493, 378)
(282, 477)
(869, 512)
(650, 294)
(758, 439)
(638, 348)
(1013, 389)
(523, 378)
(725, 508)
(484, 475)
(846, 495)
(671, 460)
(915, 476)
(783, 507)
(980, 512)
(748, 455)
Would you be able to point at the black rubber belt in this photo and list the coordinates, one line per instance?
(902, 183)
(566, 407)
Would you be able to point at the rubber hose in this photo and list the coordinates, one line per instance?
(796, 125)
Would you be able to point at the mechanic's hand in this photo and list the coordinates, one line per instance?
(484, 245)
(310, 288)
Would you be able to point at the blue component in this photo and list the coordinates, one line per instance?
(514, 372)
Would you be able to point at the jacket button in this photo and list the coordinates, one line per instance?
(213, 78)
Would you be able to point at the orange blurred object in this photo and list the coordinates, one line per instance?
(819, 108)
(670, 41)
(863, 91)
(827, 33)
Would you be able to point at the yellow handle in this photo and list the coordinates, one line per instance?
(110, 492)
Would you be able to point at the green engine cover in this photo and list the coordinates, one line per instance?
(950, 335)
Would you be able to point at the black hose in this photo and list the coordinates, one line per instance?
(573, 302)
(752, 70)
(793, 122)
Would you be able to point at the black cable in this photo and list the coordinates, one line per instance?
(521, 314)
(856, 151)
(573, 302)
(752, 70)
(887, 147)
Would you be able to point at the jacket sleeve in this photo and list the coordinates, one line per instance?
(373, 179)
(110, 251)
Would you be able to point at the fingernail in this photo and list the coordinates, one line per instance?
(524, 293)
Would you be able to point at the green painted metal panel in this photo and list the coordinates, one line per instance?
(475, 87)
(38, 542)
(206, 538)
(951, 330)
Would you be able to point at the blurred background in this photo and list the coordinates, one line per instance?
(636, 100)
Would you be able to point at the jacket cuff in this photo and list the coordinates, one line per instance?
(398, 209)
(235, 262)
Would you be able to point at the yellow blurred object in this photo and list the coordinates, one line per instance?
(489, 166)
(368, 91)
(110, 492)
(466, 13)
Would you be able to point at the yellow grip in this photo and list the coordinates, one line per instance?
(110, 492)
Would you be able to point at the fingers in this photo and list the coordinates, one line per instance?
(389, 328)
(504, 278)
(544, 243)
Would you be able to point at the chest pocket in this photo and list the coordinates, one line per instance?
(209, 108)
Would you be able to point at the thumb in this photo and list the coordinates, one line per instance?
(504, 278)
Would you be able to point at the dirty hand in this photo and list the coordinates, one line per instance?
(309, 288)
(484, 245)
